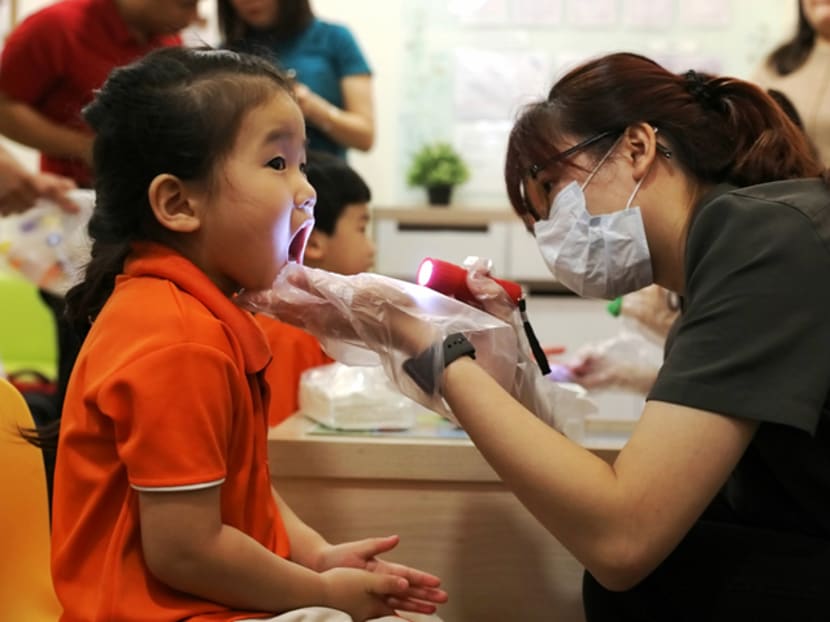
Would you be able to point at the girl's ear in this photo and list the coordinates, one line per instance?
(174, 206)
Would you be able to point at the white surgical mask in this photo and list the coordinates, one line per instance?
(602, 256)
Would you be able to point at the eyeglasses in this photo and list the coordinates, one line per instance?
(534, 169)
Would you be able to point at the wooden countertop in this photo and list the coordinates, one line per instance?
(296, 451)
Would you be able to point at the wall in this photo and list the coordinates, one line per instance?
(415, 48)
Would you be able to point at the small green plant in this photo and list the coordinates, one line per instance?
(437, 164)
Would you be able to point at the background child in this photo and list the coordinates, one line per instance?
(163, 505)
(338, 243)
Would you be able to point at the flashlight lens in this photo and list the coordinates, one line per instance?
(425, 272)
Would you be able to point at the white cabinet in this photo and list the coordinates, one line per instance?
(401, 246)
(524, 261)
(404, 236)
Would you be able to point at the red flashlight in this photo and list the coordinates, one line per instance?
(451, 280)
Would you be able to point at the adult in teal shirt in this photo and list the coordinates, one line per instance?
(333, 79)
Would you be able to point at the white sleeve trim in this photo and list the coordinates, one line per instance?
(179, 488)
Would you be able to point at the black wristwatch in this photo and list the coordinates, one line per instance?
(420, 369)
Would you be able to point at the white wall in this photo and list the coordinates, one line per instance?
(378, 27)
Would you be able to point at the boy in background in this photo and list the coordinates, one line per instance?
(339, 243)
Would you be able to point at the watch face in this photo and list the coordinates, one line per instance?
(421, 368)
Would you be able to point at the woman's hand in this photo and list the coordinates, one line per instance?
(303, 95)
(595, 369)
(422, 591)
(490, 295)
(652, 307)
(379, 314)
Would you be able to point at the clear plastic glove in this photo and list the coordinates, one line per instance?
(627, 362)
(490, 295)
(561, 405)
(367, 319)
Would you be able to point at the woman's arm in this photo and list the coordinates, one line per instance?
(619, 520)
(351, 126)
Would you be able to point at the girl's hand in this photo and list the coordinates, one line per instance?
(361, 594)
(422, 592)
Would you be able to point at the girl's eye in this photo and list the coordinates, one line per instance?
(278, 163)
(303, 168)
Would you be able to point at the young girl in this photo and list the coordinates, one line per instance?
(163, 506)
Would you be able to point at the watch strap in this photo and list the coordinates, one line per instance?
(421, 367)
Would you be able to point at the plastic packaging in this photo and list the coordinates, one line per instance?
(553, 396)
(355, 398)
(48, 245)
(630, 360)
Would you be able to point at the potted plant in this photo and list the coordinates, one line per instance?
(439, 168)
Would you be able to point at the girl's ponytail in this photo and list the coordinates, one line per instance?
(85, 300)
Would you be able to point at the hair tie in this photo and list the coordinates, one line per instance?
(699, 88)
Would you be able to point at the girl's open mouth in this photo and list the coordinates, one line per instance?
(296, 248)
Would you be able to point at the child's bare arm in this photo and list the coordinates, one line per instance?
(307, 546)
(187, 547)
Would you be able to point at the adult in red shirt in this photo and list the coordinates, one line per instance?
(54, 60)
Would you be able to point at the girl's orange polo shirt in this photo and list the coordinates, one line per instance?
(167, 392)
(294, 352)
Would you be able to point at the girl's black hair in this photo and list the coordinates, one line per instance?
(175, 111)
(790, 55)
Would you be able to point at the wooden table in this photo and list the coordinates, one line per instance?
(455, 517)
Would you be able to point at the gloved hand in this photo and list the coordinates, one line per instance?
(627, 362)
(490, 295)
(558, 404)
(654, 309)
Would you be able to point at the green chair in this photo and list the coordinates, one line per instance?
(27, 329)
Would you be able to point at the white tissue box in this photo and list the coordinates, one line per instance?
(355, 398)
